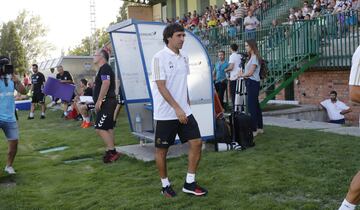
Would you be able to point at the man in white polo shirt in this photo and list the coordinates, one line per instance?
(353, 196)
(335, 109)
(233, 70)
(170, 67)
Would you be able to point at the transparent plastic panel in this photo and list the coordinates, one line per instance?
(130, 65)
(199, 80)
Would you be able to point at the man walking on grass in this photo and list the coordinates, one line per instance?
(105, 104)
(353, 196)
(172, 112)
(37, 84)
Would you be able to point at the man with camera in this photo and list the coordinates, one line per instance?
(8, 84)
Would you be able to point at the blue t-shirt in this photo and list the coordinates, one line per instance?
(7, 101)
(220, 71)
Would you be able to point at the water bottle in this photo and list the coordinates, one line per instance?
(138, 127)
(138, 124)
(223, 147)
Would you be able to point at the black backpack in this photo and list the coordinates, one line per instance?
(223, 131)
(242, 130)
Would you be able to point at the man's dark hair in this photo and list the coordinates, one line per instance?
(234, 47)
(170, 30)
(104, 54)
(333, 92)
(35, 65)
(84, 81)
(222, 51)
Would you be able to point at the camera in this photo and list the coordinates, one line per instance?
(244, 57)
(5, 67)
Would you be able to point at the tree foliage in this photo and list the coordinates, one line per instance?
(10, 45)
(84, 47)
(32, 33)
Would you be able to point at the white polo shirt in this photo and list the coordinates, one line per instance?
(235, 58)
(355, 69)
(252, 22)
(174, 69)
(334, 109)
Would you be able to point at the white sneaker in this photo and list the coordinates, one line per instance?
(260, 131)
(255, 133)
(9, 170)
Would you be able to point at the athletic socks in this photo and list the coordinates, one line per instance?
(65, 113)
(31, 114)
(165, 182)
(190, 178)
(42, 113)
(347, 206)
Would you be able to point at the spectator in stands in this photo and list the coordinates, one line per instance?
(252, 82)
(276, 34)
(241, 13)
(83, 106)
(195, 19)
(64, 77)
(220, 76)
(335, 109)
(251, 23)
(213, 21)
(306, 8)
(233, 70)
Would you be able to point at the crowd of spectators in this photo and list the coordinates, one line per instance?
(311, 10)
(228, 14)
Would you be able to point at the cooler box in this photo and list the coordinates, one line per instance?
(23, 105)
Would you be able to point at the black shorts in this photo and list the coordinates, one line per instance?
(38, 98)
(105, 117)
(166, 130)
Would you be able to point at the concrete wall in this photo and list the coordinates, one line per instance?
(216, 2)
(157, 13)
(181, 7)
(140, 13)
(171, 8)
(193, 5)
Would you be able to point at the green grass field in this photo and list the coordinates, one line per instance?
(288, 169)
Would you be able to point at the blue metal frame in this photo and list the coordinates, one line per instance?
(135, 101)
(114, 28)
(143, 61)
(124, 32)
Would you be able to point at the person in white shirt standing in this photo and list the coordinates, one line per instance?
(170, 68)
(233, 70)
(353, 196)
(251, 23)
(335, 109)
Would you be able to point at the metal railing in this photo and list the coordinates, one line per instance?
(326, 42)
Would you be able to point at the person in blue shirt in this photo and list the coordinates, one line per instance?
(219, 75)
(8, 84)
